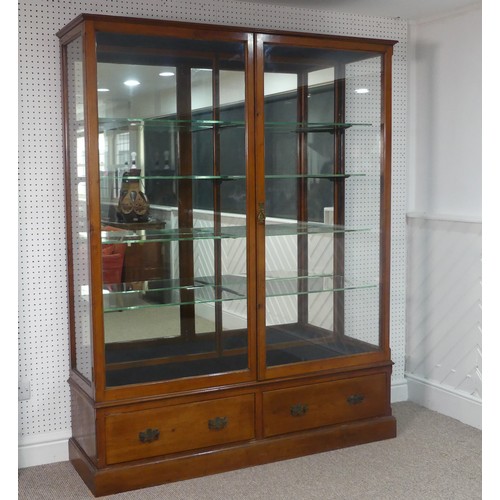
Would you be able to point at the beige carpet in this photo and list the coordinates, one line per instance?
(433, 458)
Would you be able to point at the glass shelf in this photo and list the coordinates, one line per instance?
(200, 125)
(308, 228)
(233, 284)
(164, 235)
(238, 177)
(313, 176)
(169, 293)
(231, 232)
(184, 177)
(169, 123)
(305, 285)
(303, 127)
(138, 295)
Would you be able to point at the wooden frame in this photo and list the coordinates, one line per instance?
(259, 391)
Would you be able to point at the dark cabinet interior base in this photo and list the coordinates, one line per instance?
(165, 359)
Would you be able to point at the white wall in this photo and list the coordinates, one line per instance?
(445, 123)
(444, 347)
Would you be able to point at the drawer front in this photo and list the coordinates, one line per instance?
(141, 434)
(326, 403)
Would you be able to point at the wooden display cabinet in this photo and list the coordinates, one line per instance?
(250, 322)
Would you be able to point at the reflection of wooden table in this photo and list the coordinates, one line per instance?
(144, 261)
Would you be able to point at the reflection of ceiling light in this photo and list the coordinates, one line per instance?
(131, 83)
(102, 90)
(167, 73)
(361, 91)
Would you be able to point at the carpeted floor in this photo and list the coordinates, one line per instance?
(433, 458)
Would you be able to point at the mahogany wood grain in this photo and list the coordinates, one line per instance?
(178, 428)
(160, 27)
(192, 393)
(385, 202)
(310, 406)
(93, 208)
(251, 207)
(140, 474)
(185, 203)
(83, 422)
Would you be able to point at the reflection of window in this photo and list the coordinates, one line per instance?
(103, 152)
(122, 148)
(80, 167)
(80, 156)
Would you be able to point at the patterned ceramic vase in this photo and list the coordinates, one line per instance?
(133, 205)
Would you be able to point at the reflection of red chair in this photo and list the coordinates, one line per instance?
(112, 263)
(113, 256)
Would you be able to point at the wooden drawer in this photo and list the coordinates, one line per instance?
(141, 434)
(326, 403)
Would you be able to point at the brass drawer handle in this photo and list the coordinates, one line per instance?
(298, 410)
(149, 435)
(355, 399)
(217, 423)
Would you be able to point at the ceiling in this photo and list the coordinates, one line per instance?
(406, 9)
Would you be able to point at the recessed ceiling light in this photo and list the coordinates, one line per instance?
(102, 90)
(361, 91)
(131, 83)
(167, 73)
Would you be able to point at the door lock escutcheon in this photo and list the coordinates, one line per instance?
(261, 213)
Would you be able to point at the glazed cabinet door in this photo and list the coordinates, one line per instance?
(168, 114)
(322, 128)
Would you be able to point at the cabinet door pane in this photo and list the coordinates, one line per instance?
(78, 200)
(322, 122)
(173, 206)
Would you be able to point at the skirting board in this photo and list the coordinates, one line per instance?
(454, 404)
(399, 391)
(43, 449)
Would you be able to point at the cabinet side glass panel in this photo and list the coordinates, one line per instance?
(322, 185)
(173, 205)
(363, 149)
(77, 174)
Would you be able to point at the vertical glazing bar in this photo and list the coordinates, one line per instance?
(250, 171)
(339, 196)
(302, 215)
(217, 205)
(260, 198)
(94, 208)
(385, 197)
(185, 201)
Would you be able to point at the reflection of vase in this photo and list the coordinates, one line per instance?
(133, 206)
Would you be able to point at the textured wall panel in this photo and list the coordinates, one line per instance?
(444, 304)
(43, 324)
